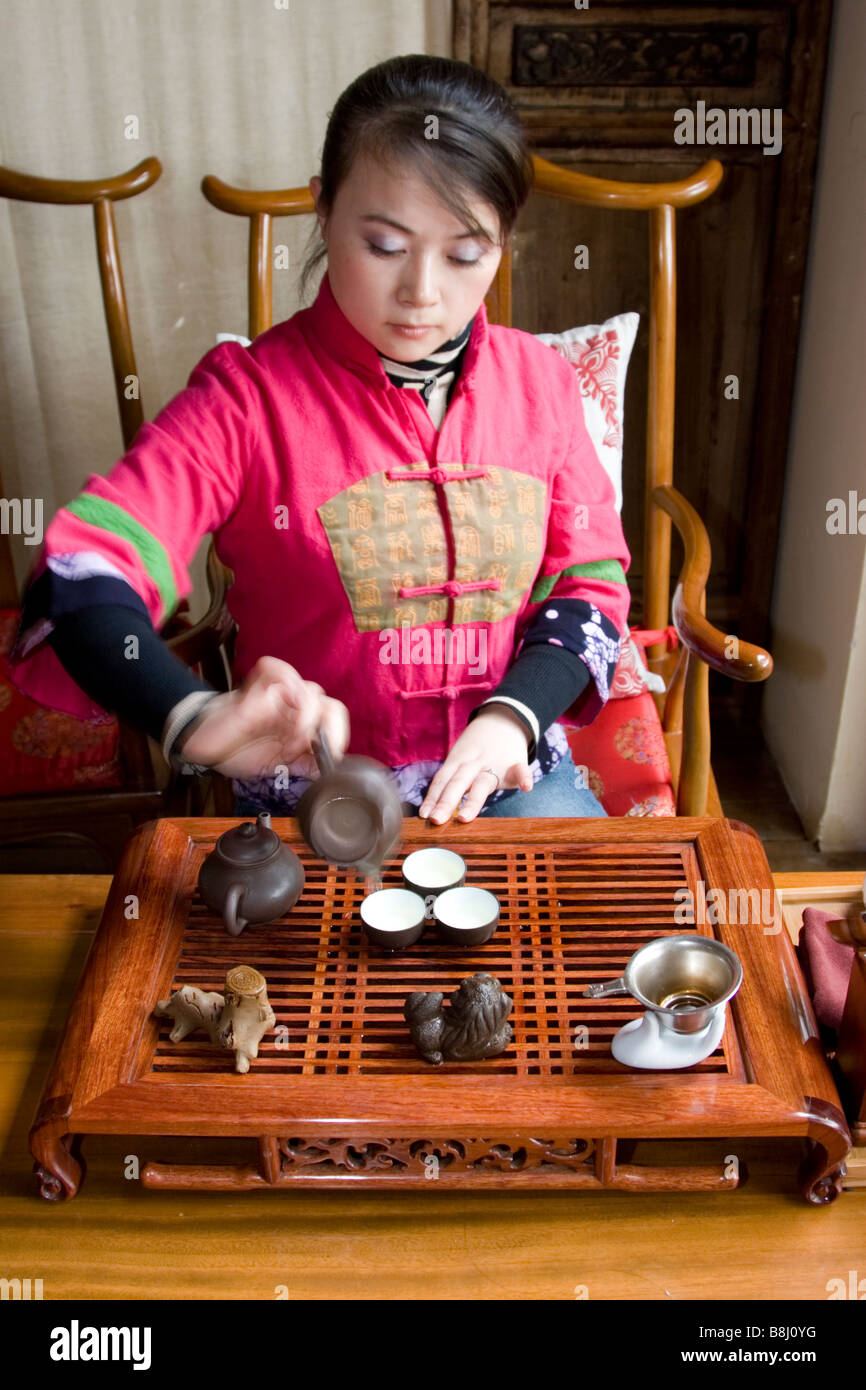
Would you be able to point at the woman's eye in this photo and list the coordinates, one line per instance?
(386, 251)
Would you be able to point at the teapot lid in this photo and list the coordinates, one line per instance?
(250, 842)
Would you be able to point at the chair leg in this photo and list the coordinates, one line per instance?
(180, 794)
(223, 796)
(695, 766)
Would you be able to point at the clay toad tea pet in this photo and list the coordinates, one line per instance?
(237, 1022)
(475, 1026)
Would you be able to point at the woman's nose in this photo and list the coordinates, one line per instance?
(417, 285)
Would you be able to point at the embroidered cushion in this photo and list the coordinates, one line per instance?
(622, 754)
(632, 675)
(600, 355)
(44, 750)
(623, 759)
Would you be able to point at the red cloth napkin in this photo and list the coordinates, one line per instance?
(826, 964)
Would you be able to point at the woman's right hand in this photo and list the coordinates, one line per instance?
(268, 721)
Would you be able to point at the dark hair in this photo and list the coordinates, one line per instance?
(482, 147)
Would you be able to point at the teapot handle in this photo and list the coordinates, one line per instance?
(322, 752)
(234, 923)
(602, 991)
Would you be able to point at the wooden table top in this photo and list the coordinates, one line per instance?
(760, 1243)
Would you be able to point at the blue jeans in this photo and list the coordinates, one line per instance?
(555, 795)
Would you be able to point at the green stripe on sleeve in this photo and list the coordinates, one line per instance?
(611, 570)
(107, 516)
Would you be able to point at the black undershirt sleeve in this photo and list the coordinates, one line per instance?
(555, 665)
(547, 680)
(92, 643)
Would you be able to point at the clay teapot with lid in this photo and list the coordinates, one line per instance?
(251, 872)
(352, 814)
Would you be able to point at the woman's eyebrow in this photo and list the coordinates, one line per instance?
(458, 236)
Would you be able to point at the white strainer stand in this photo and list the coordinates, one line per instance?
(646, 1044)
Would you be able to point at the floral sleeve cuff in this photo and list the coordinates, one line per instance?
(579, 627)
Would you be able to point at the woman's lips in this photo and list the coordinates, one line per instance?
(411, 332)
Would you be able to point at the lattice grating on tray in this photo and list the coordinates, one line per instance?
(570, 915)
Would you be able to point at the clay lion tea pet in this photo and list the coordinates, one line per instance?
(475, 1026)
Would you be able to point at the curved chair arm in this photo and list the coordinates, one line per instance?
(687, 708)
(32, 189)
(723, 652)
(246, 202)
(617, 193)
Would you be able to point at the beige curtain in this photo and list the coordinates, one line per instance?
(238, 88)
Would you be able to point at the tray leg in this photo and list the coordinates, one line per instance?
(269, 1159)
(820, 1176)
(59, 1166)
(821, 1172)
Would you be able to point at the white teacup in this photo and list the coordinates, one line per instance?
(466, 916)
(432, 871)
(393, 918)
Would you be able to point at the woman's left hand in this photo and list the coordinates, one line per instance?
(493, 746)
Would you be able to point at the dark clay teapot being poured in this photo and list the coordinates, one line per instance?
(352, 814)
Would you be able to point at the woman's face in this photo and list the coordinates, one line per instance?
(397, 256)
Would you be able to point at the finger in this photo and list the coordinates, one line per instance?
(270, 686)
(334, 721)
(317, 713)
(255, 707)
(286, 690)
(439, 781)
(285, 729)
(450, 796)
(482, 786)
(307, 715)
(270, 715)
(270, 670)
(519, 775)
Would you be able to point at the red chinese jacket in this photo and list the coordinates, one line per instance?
(350, 522)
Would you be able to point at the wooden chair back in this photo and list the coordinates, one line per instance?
(102, 194)
(199, 644)
(191, 644)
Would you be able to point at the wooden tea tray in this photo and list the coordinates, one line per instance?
(338, 1094)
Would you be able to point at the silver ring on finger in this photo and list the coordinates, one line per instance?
(493, 774)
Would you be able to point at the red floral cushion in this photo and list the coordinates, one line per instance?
(630, 675)
(43, 750)
(626, 761)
